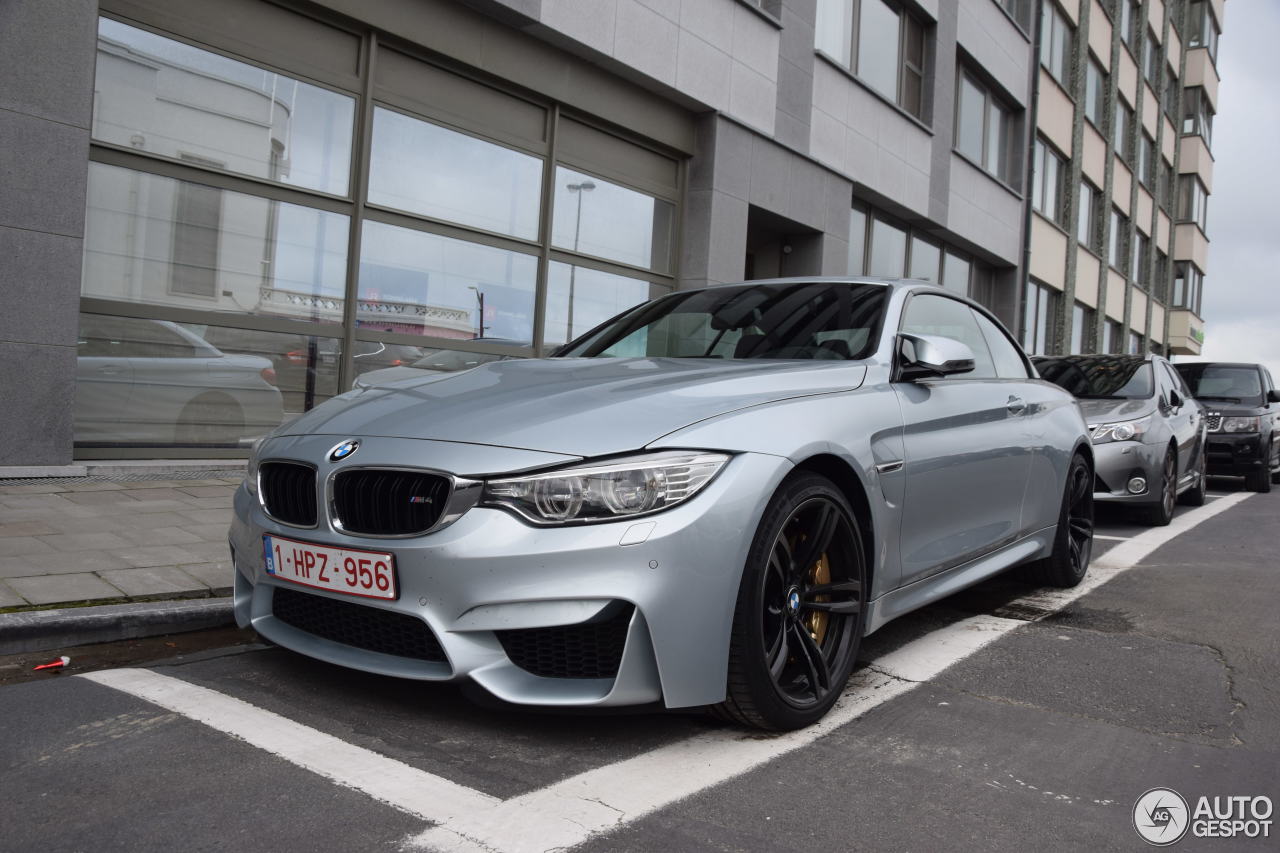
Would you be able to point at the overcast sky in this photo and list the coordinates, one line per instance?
(1241, 304)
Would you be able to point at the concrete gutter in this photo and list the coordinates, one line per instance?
(40, 630)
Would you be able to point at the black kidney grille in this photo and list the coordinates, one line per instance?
(356, 625)
(289, 492)
(386, 502)
(586, 650)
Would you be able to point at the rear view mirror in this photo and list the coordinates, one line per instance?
(1175, 399)
(1273, 396)
(930, 356)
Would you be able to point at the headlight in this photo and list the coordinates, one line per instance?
(1250, 424)
(1121, 431)
(627, 487)
(251, 470)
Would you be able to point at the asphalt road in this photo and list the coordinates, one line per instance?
(1000, 719)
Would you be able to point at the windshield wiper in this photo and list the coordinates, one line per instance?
(1223, 399)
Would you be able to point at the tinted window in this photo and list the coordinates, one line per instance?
(1117, 377)
(1215, 382)
(950, 318)
(1004, 353)
(807, 321)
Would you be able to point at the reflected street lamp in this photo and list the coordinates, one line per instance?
(578, 189)
(480, 300)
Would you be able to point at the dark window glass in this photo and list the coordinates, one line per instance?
(1055, 43)
(1095, 94)
(1100, 377)
(1039, 318)
(857, 241)
(925, 260)
(1004, 352)
(888, 250)
(881, 43)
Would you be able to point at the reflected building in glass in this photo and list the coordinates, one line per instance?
(280, 197)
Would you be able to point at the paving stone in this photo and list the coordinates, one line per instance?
(95, 524)
(212, 503)
(160, 506)
(210, 551)
(220, 577)
(153, 580)
(60, 562)
(25, 528)
(147, 535)
(209, 491)
(95, 486)
(161, 555)
(209, 532)
(151, 493)
(9, 598)
(208, 516)
(18, 546)
(55, 589)
(84, 541)
(97, 498)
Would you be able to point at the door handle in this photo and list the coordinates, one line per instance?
(109, 371)
(1017, 405)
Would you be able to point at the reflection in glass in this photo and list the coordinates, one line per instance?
(161, 384)
(580, 298)
(857, 240)
(424, 168)
(955, 274)
(595, 217)
(888, 250)
(970, 118)
(878, 39)
(159, 241)
(924, 260)
(164, 97)
(417, 283)
(393, 367)
(834, 29)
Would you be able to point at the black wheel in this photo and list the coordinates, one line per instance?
(1073, 544)
(799, 615)
(1160, 513)
(210, 419)
(1258, 481)
(1194, 496)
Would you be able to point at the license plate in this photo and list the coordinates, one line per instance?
(369, 574)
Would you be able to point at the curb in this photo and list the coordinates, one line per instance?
(40, 630)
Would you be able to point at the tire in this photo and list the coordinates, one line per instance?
(1073, 544)
(800, 610)
(1160, 513)
(1195, 495)
(210, 420)
(1258, 481)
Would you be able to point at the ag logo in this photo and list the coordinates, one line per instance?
(1161, 817)
(345, 449)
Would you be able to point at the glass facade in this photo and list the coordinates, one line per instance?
(256, 239)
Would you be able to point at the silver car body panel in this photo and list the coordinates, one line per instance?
(953, 491)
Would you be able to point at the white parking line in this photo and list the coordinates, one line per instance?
(571, 812)
(415, 791)
(1110, 538)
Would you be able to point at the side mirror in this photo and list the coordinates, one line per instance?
(1175, 399)
(1273, 396)
(931, 356)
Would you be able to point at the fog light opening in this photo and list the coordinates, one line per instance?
(1137, 485)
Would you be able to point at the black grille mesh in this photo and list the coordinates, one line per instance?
(289, 492)
(385, 502)
(356, 625)
(585, 650)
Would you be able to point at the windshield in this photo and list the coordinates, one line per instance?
(776, 321)
(1212, 382)
(1116, 377)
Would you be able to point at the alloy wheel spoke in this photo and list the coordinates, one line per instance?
(819, 675)
(846, 590)
(1080, 528)
(778, 655)
(817, 540)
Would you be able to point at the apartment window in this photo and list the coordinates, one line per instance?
(1095, 92)
(1089, 217)
(1147, 161)
(1122, 130)
(1130, 22)
(1170, 190)
(925, 261)
(1135, 343)
(1055, 42)
(1081, 322)
(1197, 115)
(1187, 282)
(1111, 337)
(1151, 58)
(1039, 318)
(197, 226)
(1160, 277)
(1172, 98)
(1202, 28)
(881, 43)
(1118, 249)
(888, 250)
(1047, 194)
(1141, 248)
(984, 129)
(1193, 201)
(1019, 10)
(857, 241)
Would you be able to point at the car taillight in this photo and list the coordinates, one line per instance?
(396, 363)
(269, 375)
(297, 356)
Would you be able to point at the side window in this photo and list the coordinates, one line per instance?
(1004, 352)
(949, 318)
(1175, 381)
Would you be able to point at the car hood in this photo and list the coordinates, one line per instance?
(384, 375)
(574, 406)
(1109, 411)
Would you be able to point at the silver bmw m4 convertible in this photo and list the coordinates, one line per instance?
(706, 501)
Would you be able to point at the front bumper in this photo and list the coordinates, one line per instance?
(485, 586)
(1117, 462)
(1234, 454)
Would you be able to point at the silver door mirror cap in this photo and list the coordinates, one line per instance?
(930, 356)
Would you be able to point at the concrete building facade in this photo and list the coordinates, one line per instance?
(219, 215)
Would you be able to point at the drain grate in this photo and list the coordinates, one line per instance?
(179, 474)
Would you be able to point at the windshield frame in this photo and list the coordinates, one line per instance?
(1082, 365)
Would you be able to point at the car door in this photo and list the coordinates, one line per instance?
(965, 462)
(1183, 419)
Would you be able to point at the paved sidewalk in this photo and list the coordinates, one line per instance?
(117, 535)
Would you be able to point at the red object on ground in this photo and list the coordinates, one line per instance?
(57, 664)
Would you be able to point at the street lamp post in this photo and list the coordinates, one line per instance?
(577, 189)
(480, 300)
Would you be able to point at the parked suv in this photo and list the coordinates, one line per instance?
(1148, 433)
(1243, 437)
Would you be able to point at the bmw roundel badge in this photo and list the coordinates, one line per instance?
(345, 449)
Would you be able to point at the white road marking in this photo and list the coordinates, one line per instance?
(1111, 538)
(430, 797)
(574, 810)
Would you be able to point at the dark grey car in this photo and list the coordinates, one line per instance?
(1147, 430)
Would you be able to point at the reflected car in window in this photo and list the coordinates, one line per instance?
(155, 383)
(709, 499)
(1243, 419)
(1147, 430)
(433, 361)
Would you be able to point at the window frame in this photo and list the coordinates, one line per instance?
(1006, 173)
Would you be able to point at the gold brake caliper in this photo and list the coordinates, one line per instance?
(815, 622)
